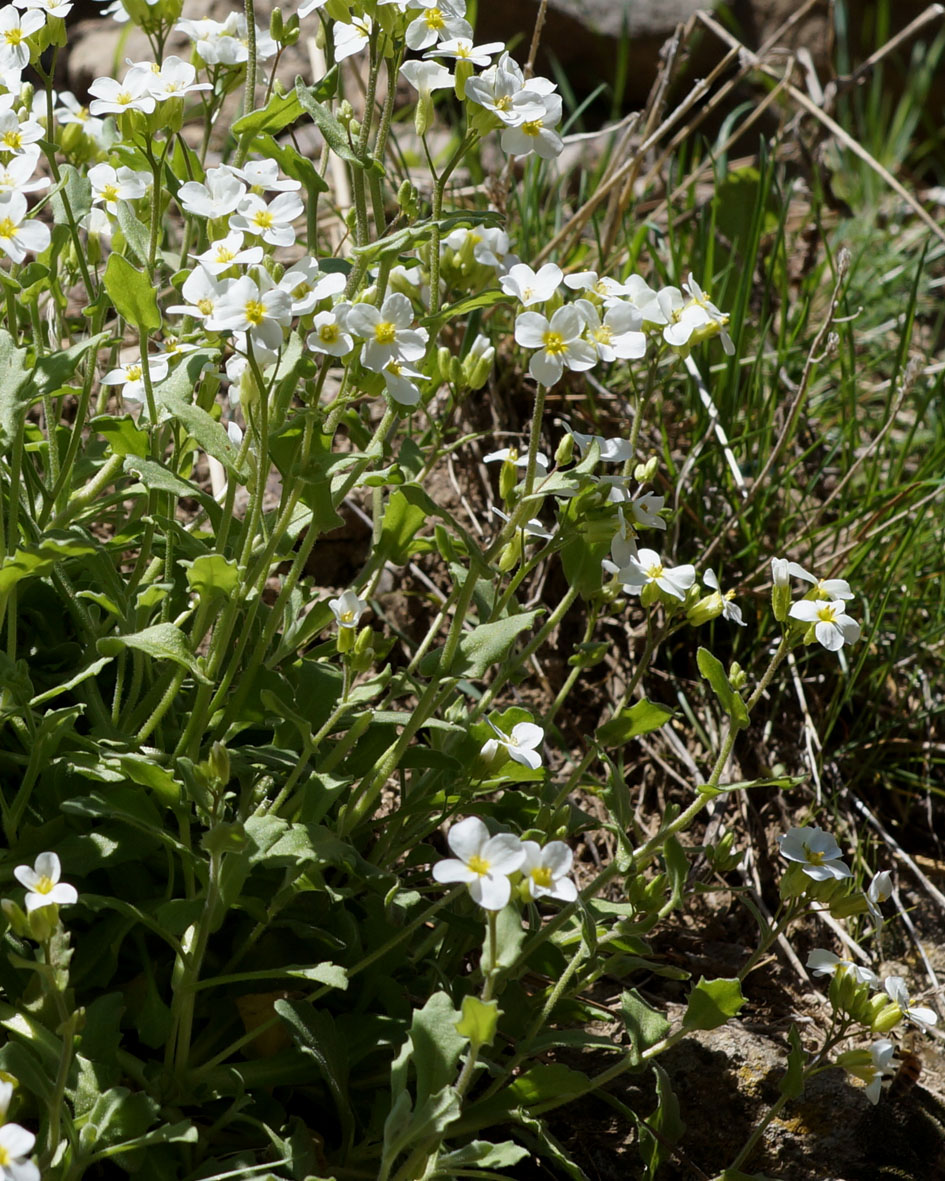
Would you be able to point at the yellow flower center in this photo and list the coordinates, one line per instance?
(555, 345)
(434, 19)
(827, 613)
(462, 52)
(329, 333)
(385, 332)
(110, 193)
(478, 864)
(541, 876)
(132, 373)
(255, 311)
(655, 571)
(503, 102)
(224, 254)
(205, 306)
(263, 218)
(394, 368)
(44, 885)
(123, 97)
(7, 228)
(814, 858)
(13, 36)
(604, 334)
(301, 291)
(5, 1158)
(532, 127)
(346, 617)
(12, 140)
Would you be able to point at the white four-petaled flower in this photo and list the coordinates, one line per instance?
(521, 745)
(482, 861)
(816, 851)
(44, 888)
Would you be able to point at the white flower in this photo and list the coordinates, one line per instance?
(461, 48)
(559, 341)
(60, 8)
(647, 567)
(782, 569)
(881, 1061)
(880, 890)
(203, 292)
(484, 862)
(227, 252)
(897, 991)
(521, 745)
(426, 76)
(113, 97)
(611, 450)
(387, 332)
(645, 510)
(131, 377)
(532, 528)
(398, 380)
(14, 29)
(307, 286)
(44, 889)
(16, 1144)
(329, 335)
(606, 288)
(529, 286)
(618, 335)
(217, 198)
(350, 39)
(536, 133)
(817, 852)
(824, 963)
(512, 455)
(501, 90)
(17, 175)
(263, 176)
(261, 310)
(544, 871)
(174, 79)
(832, 626)
(730, 611)
(110, 185)
(16, 135)
(435, 20)
(348, 608)
(18, 233)
(272, 222)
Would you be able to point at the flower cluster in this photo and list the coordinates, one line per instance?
(488, 864)
(823, 609)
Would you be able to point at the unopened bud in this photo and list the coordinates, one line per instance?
(706, 609)
(564, 452)
(511, 554)
(780, 589)
(887, 1018)
(737, 676)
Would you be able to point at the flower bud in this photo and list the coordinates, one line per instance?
(43, 922)
(707, 608)
(643, 473)
(780, 589)
(276, 25)
(16, 918)
(462, 71)
(564, 452)
(362, 654)
(423, 115)
(218, 763)
(477, 364)
(511, 554)
(887, 1018)
(737, 676)
(508, 478)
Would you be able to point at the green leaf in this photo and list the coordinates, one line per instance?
(315, 1033)
(120, 1115)
(54, 370)
(15, 398)
(132, 293)
(163, 641)
(483, 1155)
(645, 1026)
(300, 168)
(546, 1082)
(212, 575)
(90, 670)
(333, 132)
(312, 473)
(712, 1003)
(711, 668)
(791, 1085)
(479, 1020)
(34, 560)
(402, 521)
(123, 435)
(173, 396)
(277, 114)
(161, 479)
(483, 647)
(641, 718)
(663, 1129)
(137, 235)
(77, 189)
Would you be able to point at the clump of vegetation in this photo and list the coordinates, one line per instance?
(377, 684)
